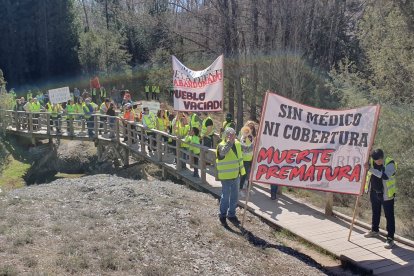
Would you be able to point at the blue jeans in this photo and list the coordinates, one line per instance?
(229, 197)
(247, 168)
(273, 190)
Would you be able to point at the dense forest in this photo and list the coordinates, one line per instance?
(331, 54)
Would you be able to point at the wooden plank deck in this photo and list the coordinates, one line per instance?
(303, 220)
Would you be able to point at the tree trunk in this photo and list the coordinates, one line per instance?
(236, 70)
(86, 16)
(255, 47)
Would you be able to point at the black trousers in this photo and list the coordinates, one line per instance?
(377, 200)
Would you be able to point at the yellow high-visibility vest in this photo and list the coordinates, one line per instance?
(232, 165)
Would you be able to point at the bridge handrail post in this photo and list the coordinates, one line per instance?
(16, 120)
(117, 134)
(96, 125)
(159, 146)
(202, 162)
(48, 123)
(142, 136)
(129, 133)
(178, 165)
(30, 122)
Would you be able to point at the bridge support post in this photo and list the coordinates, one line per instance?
(164, 173)
(126, 157)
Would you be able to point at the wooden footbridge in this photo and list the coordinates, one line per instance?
(120, 139)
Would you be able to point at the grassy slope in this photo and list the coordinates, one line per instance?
(12, 175)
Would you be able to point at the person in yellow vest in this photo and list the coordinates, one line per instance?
(88, 111)
(55, 115)
(247, 137)
(195, 140)
(380, 184)
(227, 123)
(28, 105)
(102, 110)
(70, 115)
(102, 93)
(153, 92)
(35, 108)
(195, 120)
(162, 122)
(183, 133)
(147, 91)
(229, 165)
(157, 92)
(207, 131)
(149, 122)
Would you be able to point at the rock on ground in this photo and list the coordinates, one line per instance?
(105, 224)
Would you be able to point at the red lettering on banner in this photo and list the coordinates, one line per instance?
(311, 172)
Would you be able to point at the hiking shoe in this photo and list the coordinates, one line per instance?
(223, 221)
(389, 243)
(372, 234)
(234, 220)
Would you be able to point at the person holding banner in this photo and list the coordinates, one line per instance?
(229, 162)
(380, 184)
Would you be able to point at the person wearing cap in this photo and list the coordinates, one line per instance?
(229, 165)
(227, 123)
(380, 184)
(88, 111)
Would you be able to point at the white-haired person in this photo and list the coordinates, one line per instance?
(230, 167)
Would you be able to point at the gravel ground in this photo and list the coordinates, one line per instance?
(106, 225)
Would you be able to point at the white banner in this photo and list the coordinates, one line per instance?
(306, 147)
(198, 90)
(59, 95)
(152, 106)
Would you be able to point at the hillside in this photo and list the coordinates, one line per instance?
(104, 224)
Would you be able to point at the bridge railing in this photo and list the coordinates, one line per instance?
(162, 146)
